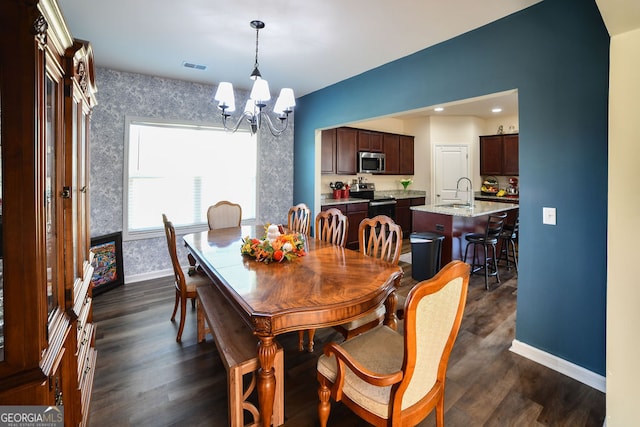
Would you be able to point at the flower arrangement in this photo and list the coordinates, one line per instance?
(405, 182)
(275, 247)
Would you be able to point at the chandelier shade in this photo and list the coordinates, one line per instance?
(254, 112)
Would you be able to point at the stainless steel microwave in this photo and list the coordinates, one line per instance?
(370, 162)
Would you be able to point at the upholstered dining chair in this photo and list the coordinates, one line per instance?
(331, 226)
(299, 219)
(391, 378)
(379, 237)
(185, 284)
(224, 214)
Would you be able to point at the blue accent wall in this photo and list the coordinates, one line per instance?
(556, 53)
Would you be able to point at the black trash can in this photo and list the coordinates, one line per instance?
(426, 253)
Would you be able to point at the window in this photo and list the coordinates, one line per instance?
(181, 169)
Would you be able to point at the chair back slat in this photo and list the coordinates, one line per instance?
(299, 219)
(332, 226)
(380, 237)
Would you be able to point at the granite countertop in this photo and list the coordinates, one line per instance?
(479, 208)
(327, 199)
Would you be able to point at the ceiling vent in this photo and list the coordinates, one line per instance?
(194, 66)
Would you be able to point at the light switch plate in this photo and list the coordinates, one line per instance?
(549, 216)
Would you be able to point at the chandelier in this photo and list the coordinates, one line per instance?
(254, 112)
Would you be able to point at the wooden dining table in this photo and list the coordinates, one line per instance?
(328, 286)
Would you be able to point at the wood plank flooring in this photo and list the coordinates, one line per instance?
(144, 378)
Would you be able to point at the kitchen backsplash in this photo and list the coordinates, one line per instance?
(382, 182)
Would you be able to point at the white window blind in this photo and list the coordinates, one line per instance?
(182, 169)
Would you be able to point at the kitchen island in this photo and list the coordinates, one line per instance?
(454, 221)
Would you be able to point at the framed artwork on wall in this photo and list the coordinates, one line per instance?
(107, 262)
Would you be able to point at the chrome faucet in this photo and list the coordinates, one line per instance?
(469, 190)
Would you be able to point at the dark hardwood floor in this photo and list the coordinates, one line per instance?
(144, 378)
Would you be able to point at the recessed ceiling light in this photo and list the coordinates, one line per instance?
(438, 109)
(496, 110)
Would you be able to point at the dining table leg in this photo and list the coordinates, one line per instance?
(390, 318)
(266, 378)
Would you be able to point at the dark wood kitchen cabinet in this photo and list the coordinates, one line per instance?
(406, 155)
(403, 213)
(346, 151)
(369, 141)
(340, 147)
(499, 155)
(328, 152)
(391, 143)
(47, 355)
(339, 151)
(398, 150)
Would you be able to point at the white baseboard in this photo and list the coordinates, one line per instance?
(560, 365)
(148, 276)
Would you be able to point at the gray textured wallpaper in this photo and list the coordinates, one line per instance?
(121, 94)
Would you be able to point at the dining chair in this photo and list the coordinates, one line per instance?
(487, 240)
(299, 219)
(185, 284)
(331, 226)
(224, 214)
(379, 237)
(391, 378)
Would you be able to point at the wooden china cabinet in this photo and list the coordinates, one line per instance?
(47, 92)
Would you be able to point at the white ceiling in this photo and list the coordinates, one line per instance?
(306, 45)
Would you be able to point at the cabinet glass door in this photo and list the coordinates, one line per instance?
(51, 106)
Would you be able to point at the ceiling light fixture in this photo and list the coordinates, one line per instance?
(496, 110)
(438, 109)
(254, 108)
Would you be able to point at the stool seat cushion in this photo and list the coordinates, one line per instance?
(480, 238)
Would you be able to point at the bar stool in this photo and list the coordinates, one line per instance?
(488, 239)
(508, 239)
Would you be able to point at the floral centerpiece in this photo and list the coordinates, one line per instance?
(276, 246)
(405, 182)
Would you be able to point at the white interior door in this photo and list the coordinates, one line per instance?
(451, 163)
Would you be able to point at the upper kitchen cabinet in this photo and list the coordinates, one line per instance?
(339, 151)
(340, 147)
(510, 156)
(391, 143)
(346, 151)
(406, 155)
(499, 155)
(328, 152)
(370, 141)
(398, 151)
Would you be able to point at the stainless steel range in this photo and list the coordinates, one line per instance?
(381, 205)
